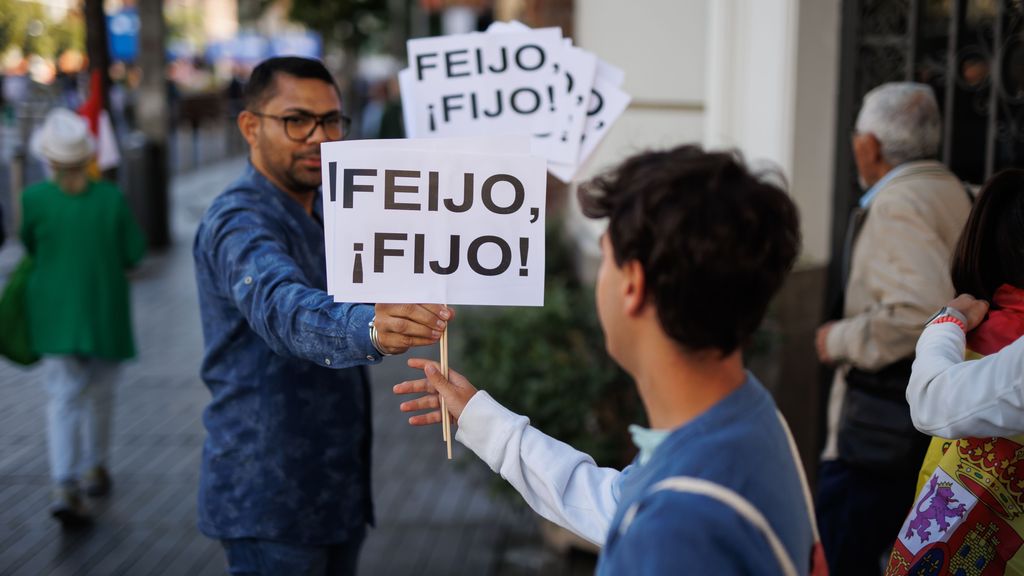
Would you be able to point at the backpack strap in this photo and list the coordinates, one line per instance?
(743, 507)
(808, 499)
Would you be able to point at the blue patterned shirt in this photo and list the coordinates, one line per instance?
(287, 452)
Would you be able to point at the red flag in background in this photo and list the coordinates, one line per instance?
(107, 154)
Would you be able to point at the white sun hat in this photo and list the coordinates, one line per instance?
(64, 138)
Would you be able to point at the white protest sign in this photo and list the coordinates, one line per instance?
(500, 145)
(502, 27)
(409, 106)
(475, 144)
(475, 83)
(564, 172)
(607, 103)
(580, 68)
(433, 226)
(513, 80)
(610, 74)
(575, 69)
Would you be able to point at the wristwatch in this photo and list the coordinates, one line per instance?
(948, 314)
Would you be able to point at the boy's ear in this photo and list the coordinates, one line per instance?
(634, 287)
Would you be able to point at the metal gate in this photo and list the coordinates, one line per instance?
(972, 54)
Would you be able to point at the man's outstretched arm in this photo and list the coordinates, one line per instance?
(559, 482)
(292, 316)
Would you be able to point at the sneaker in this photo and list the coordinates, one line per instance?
(68, 507)
(97, 482)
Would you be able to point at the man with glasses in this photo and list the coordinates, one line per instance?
(285, 479)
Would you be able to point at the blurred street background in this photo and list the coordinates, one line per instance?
(781, 80)
(434, 516)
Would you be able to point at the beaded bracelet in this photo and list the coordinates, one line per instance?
(950, 319)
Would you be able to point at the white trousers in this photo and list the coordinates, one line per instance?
(79, 413)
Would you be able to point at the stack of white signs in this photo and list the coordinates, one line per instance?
(513, 80)
(453, 221)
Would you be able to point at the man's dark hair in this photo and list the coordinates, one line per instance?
(260, 87)
(990, 251)
(715, 240)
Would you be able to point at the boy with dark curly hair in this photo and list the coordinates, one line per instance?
(695, 249)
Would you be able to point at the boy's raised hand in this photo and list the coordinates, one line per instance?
(456, 391)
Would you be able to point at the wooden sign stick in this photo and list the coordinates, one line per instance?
(446, 428)
(444, 370)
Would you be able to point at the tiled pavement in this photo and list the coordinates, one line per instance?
(434, 517)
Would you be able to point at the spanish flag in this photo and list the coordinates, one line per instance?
(93, 110)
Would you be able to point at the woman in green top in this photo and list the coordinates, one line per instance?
(82, 237)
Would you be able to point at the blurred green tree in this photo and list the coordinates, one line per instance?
(28, 27)
(349, 23)
(19, 23)
(9, 31)
(69, 34)
(185, 22)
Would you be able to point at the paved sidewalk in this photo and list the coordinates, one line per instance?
(434, 517)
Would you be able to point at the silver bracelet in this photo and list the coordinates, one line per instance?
(375, 339)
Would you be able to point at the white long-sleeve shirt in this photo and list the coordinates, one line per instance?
(732, 444)
(559, 482)
(951, 398)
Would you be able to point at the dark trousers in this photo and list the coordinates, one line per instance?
(860, 513)
(251, 557)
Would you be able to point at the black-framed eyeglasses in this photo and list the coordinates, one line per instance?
(300, 126)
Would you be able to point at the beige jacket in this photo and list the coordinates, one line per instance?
(899, 273)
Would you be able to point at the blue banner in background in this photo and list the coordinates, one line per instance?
(123, 35)
(306, 44)
(245, 48)
(249, 48)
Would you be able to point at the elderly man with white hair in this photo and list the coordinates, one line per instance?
(896, 273)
